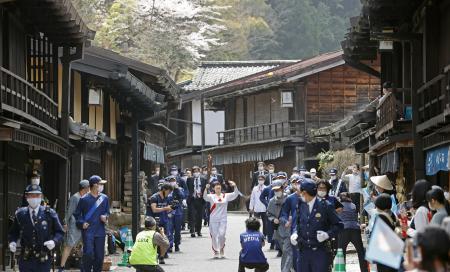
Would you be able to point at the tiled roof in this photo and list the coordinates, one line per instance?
(210, 74)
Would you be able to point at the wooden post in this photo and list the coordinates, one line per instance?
(65, 94)
(5, 214)
(202, 113)
(136, 209)
(416, 82)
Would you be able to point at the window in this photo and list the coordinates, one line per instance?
(287, 100)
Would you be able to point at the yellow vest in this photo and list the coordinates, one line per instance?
(144, 252)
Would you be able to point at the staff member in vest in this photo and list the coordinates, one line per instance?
(39, 231)
(317, 223)
(252, 242)
(73, 234)
(144, 255)
(91, 216)
(218, 216)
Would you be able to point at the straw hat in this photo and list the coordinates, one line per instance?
(382, 181)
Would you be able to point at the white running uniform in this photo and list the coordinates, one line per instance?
(218, 217)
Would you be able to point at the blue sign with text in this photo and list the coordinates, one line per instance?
(437, 160)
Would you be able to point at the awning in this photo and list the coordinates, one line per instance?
(389, 162)
(437, 160)
(262, 153)
(153, 153)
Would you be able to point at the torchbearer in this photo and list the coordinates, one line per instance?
(218, 215)
(317, 223)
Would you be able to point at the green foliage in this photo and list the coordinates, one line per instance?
(340, 160)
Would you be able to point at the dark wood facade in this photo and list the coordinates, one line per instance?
(324, 90)
(38, 41)
(411, 122)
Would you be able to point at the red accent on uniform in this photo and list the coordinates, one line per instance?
(213, 207)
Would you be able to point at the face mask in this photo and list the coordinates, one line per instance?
(205, 173)
(321, 193)
(157, 173)
(431, 207)
(173, 184)
(214, 172)
(261, 181)
(302, 173)
(196, 174)
(100, 188)
(295, 186)
(174, 173)
(302, 198)
(35, 181)
(260, 168)
(278, 194)
(271, 171)
(34, 202)
(313, 175)
(184, 178)
(333, 177)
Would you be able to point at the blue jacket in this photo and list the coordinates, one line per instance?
(323, 217)
(266, 195)
(160, 203)
(289, 208)
(47, 228)
(177, 194)
(96, 226)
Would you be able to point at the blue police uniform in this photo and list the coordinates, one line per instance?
(176, 218)
(265, 196)
(314, 256)
(289, 208)
(94, 235)
(163, 216)
(34, 230)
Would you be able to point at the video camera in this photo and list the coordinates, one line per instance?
(175, 204)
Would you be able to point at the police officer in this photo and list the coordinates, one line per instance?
(35, 180)
(317, 223)
(91, 216)
(176, 199)
(337, 185)
(39, 231)
(160, 209)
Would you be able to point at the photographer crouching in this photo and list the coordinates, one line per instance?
(144, 255)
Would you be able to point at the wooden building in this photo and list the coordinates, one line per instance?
(196, 124)
(112, 94)
(268, 114)
(411, 132)
(39, 39)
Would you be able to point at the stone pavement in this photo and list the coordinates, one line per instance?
(196, 254)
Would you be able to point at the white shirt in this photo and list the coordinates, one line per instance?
(311, 204)
(255, 204)
(354, 183)
(219, 205)
(36, 211)
(197, 187)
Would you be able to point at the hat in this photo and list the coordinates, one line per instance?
(281, 175)
(84, 183)
(169, 178)
(295, 169)
(261, 163)
(174, 168)
(382, 181)
(276, 185)
(302, 168)
(261, 175)
(96, 179)
(313, 170)
(195, 167)
(309, 186)
(333, 171)
(33, 189)
(365, 167)
(295, 178)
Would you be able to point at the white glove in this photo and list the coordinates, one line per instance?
(184, 203)
(322, 236)
(12, 247)
(50, 244)
(294, 237)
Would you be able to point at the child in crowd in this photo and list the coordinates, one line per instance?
(252, 242)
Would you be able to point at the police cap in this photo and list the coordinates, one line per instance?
(33, 189)
(309, 186)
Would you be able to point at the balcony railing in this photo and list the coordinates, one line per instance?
(393, 109)
(434, 99)
(271, 131)
(23, 99)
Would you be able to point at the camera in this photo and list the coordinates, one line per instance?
(175, 204)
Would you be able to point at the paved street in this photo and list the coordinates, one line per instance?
(196, 253)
